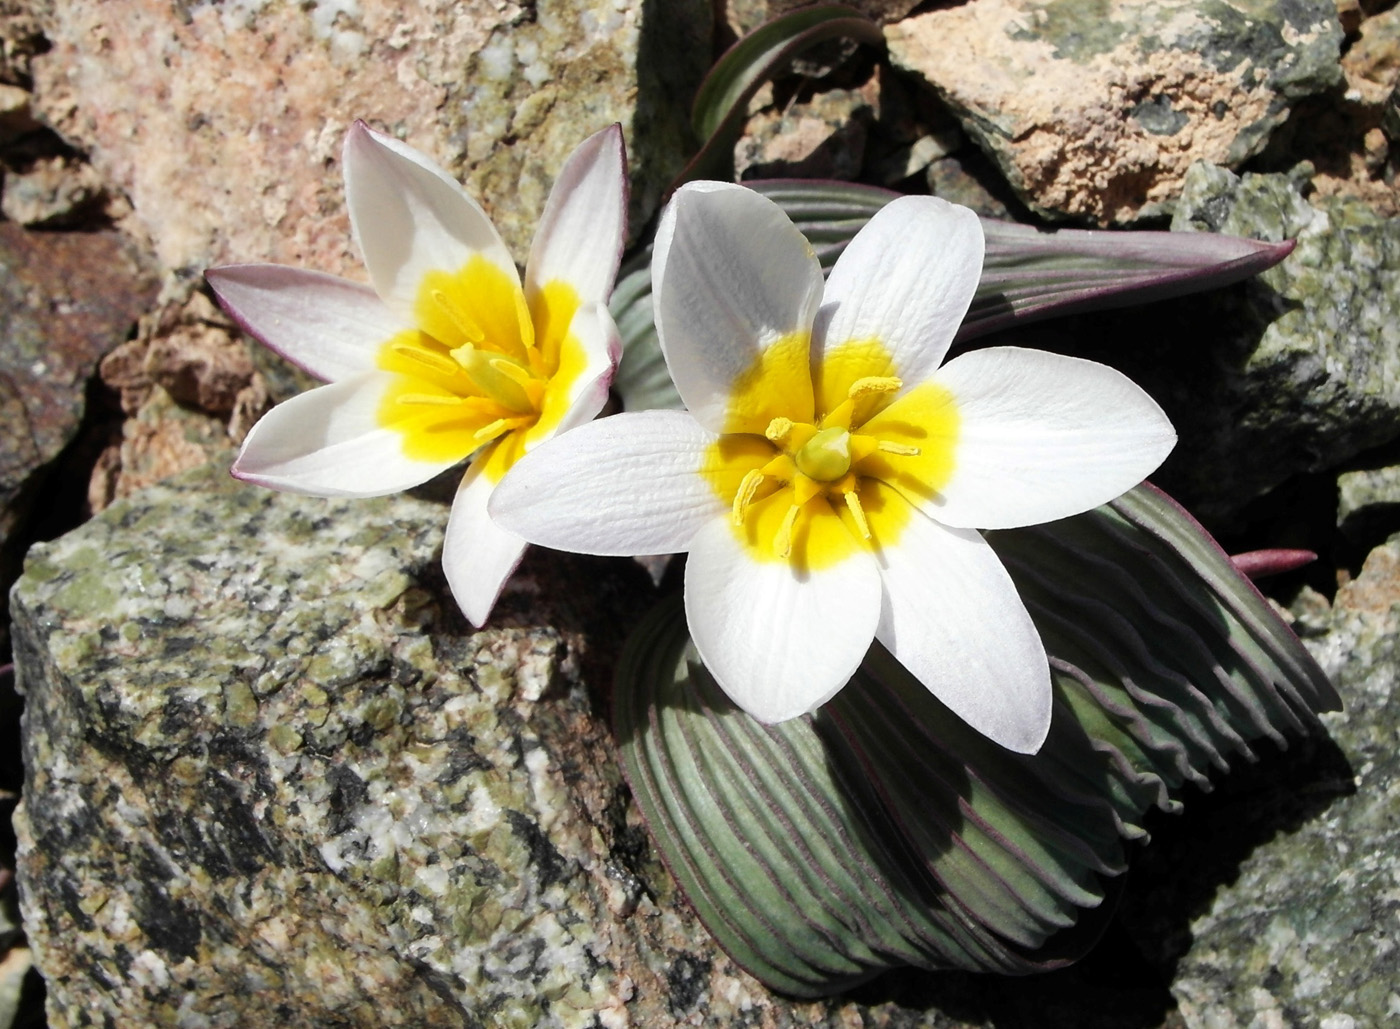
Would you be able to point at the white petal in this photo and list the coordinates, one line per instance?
(330, 326)
(778, 643)
(620, 486)
(580, 235)
(329, 442)
(731, 274)
(410, 217)
(597, 335)
(952, 616)
(477, 554)
(1042, 436)
(906, 279)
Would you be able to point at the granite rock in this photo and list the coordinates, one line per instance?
(1367, 497)
(1303, 932)
(1095, 111)
(222, 122)
(274, 778)
(1304, 372)
(64, 302)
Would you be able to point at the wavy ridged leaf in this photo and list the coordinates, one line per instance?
(883, 831)
(1028, 273)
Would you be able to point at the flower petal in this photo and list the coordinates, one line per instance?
(1042, 436)
(906, 281)
(952, 616)
(410, 217)
(331, 442)
(620, 486)
(477, 554)
(779, 643)
(331, 327)
(580, 235)
(732, 276)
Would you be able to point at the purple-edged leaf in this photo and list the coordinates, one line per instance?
(883, 831)
(721, 103)
(1259, 564)
(1028, 273)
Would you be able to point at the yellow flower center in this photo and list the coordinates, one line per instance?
(819, 463)
(483, 366)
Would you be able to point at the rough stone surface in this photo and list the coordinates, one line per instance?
(1305, 932)
(1095, 110)
(819, 138)
(64, 302)
(275, 778)
(223, 122)
(1366, 497)
(1307, 371)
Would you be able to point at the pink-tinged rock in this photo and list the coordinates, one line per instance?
(1095, 111)
(223, 122)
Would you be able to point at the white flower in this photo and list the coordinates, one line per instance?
(447, 354)
(829, 475)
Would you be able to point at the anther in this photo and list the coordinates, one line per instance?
(779, 429)
(858, 513)
(511, 370)
(902, 449)
(873, 384)
(428, 358)
(782, 542)
(429, 400)
(460, 318)
(753, 478)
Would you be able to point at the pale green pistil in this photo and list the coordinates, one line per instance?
(825, 457)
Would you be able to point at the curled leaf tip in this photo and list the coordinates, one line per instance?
(1257, 564)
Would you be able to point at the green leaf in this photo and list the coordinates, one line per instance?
(1027, 274)
(721, 102)
(883, 831)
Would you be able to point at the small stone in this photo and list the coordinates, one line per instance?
(1366, 498)
(1096, 111)
(55, 191)
(822, 138)
(16, 115)
(200, 359)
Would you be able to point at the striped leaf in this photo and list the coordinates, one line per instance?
(1028, 273)
(883, 831)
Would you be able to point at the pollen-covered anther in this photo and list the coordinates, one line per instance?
(430, 359)
(782, 541)
(778, 431)
(901, 449)
(429, 400)
(872, 385)
(858, 513)
(465, 323)
(748, 487)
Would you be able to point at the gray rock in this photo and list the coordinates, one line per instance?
(1367, 497)
(64, 302)
(1301, 930)
(1303, 365)
(1094, 111)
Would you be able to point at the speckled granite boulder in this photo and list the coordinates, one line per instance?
(1095, 110)
(222, 122)
(1301, 928)
(64, 302)
(1303, 365)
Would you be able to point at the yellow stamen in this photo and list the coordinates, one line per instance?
(779, 429)
(511, 370)
(902, 449)
(782, 542)
(858, 513)
(491, 430)
(500, 386)
(460, 317)
(428, 358)
(872, 384)
(429, 400)
(748, 486)
(526, 320)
